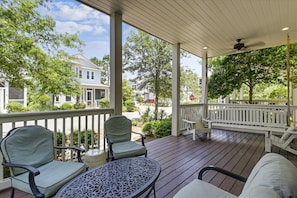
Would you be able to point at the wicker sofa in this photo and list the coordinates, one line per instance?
(272, 176)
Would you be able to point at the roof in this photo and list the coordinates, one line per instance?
(215, 24)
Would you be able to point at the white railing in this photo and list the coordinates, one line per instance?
(83, 128)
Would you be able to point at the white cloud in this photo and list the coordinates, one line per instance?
(75, 11)
(72, 17)
(72, 27)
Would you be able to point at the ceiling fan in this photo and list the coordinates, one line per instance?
(240, 45)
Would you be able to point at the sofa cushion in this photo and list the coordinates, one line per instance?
(199, 188)
(273, 171)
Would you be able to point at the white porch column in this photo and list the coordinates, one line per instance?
(175, 89)
(204, 83)
(116, 62)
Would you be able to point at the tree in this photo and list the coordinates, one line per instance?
(31, 50)
(251, 68)
(189, 80)
(150, 59)
(127, 91)
(104, 64)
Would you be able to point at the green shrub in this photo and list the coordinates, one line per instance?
(79, 106)
(82, 137)
(162, 128)
(39, 107)
(147, 128)
(56, 107)
(130, 105)
(140, 99)
(136, 121)
(59, 138)
(66, 106)
(159, 128)
(104, 103)
(147, 116)
(16, 107)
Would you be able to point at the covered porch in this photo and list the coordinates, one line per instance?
(181, 158)
(206, 29)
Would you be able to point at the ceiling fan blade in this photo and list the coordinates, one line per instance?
(258, 44)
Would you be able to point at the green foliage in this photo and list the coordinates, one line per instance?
(81, 134)
(104, 103)
(39, 101)
(147, 128)
(66, 106)
(150, 59)
(147, 115)
(56, 107)
(279, 92)
(130, 105)
(162, 128)
(32, 52)
(251, 68)
(59, 138)
(159, 128)
(140, 98)
(15, 107)
(189, 83)
(79, 106)
(127, 92)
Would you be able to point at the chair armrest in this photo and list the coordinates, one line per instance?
(189, 121)
(109, 140)
(29, 168)
(220, 170)
(31, 176)
(142, 137)
(77, 149)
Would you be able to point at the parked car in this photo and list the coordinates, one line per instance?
(149, 101)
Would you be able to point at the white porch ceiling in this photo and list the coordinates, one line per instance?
(215, 24)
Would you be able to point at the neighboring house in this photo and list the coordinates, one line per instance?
(11, 94)
(89, 77)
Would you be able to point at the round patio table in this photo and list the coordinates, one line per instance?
(128, 177)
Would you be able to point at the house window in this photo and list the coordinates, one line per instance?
(57, 99)
(16, 93)
(99, 93)
(80, 73)
(88, 75)
(92, 75)
(76, 71)
(68, 98)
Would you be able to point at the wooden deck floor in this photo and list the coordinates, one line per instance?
(181, 158)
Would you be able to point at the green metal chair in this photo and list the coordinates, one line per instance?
(118, 133)
(29, 153)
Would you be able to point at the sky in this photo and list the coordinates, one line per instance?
(92, 28)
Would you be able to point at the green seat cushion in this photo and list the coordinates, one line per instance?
(127, 149)
(52, 177)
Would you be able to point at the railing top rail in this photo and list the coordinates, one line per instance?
(15, 117)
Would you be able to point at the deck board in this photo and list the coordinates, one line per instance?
(181, 158)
